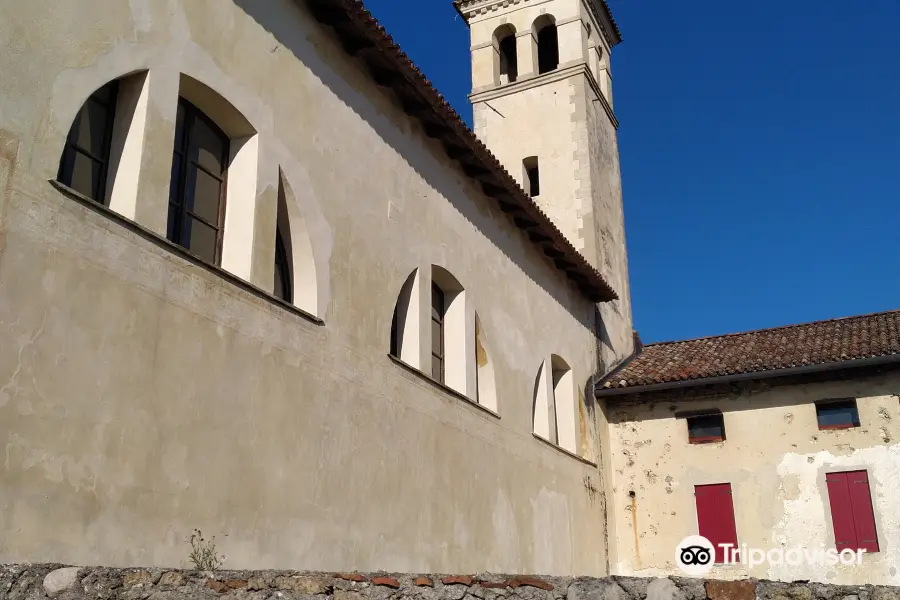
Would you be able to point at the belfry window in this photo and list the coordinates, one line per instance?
(506, 49)
(547, 45)
(532, 176)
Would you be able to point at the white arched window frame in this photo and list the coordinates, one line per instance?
(555, 402)
(434, 329)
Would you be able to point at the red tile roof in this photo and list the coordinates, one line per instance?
(762, 351)
(362, 37)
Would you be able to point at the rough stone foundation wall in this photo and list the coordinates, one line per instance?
(59, 582)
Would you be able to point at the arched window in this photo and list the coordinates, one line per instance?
(84, 163)
(283, 286)
(508, 62)
(554, 403)
(435, 330)
(547, 44)
(197, 187)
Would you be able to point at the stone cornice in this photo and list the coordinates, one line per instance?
(534, 81)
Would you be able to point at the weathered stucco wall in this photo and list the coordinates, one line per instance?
(775, 458)
(43, 581)
(142, 395)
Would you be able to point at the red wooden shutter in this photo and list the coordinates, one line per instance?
(715, 516)
(851, 511)
(863, 516)
(841, 511)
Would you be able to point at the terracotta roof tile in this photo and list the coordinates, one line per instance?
(762, 351)
(363, 37)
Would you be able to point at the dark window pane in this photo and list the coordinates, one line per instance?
(175, 180)
(202, 240)
(279, 280)
(437, 302)
(173, 232)
(105, 94)
(282, 270)
(437, 370)
(204, 202)
(508, 59)
(437, 343)
(86, 176)
(179, 128)
(92, 128)
(711, 426)
(837, 414)
(548, 49)
(207, 147)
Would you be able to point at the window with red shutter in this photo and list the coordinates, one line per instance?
(851, 511)
(715, 517)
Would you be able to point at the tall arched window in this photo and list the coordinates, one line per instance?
(84, 163)
(555, 403)
(283, 286)
(508, 62)
(197, 187)
(435, 330)
(547, 44)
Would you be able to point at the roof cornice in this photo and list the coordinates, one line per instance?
(364, 38)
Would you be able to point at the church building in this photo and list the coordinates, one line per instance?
(258, 278)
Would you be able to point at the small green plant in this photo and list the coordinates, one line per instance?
(203, 552)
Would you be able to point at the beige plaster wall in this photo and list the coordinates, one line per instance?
(775, 458)
(142, 395)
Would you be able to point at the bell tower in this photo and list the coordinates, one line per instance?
(542, 103)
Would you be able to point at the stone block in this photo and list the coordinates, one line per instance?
(172, 578)
(310, 585)
(60, 579)
(731, 590)
(596, 589)
(133, 578)
(664, 589)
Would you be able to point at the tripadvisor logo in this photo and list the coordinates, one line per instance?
(695, 555)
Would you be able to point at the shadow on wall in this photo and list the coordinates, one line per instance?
(340, 75)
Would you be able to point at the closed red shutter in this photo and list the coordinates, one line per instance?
(715, 516)
(851, 511)
(863, 516)
(841, 511)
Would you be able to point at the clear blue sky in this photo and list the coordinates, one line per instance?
(760, 148)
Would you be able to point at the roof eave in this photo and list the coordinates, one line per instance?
(756, 375)
(363, 37)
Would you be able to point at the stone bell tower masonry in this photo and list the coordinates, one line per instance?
(543, 104)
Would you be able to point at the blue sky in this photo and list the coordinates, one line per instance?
(760, 148)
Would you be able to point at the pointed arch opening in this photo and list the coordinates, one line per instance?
(484, 370)
(547, 40)
(283, 284)
(405, 334)
(102, 155)
(555, 400)
(506, 66)
(300, 275)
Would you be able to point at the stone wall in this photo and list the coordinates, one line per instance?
(35, 582)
